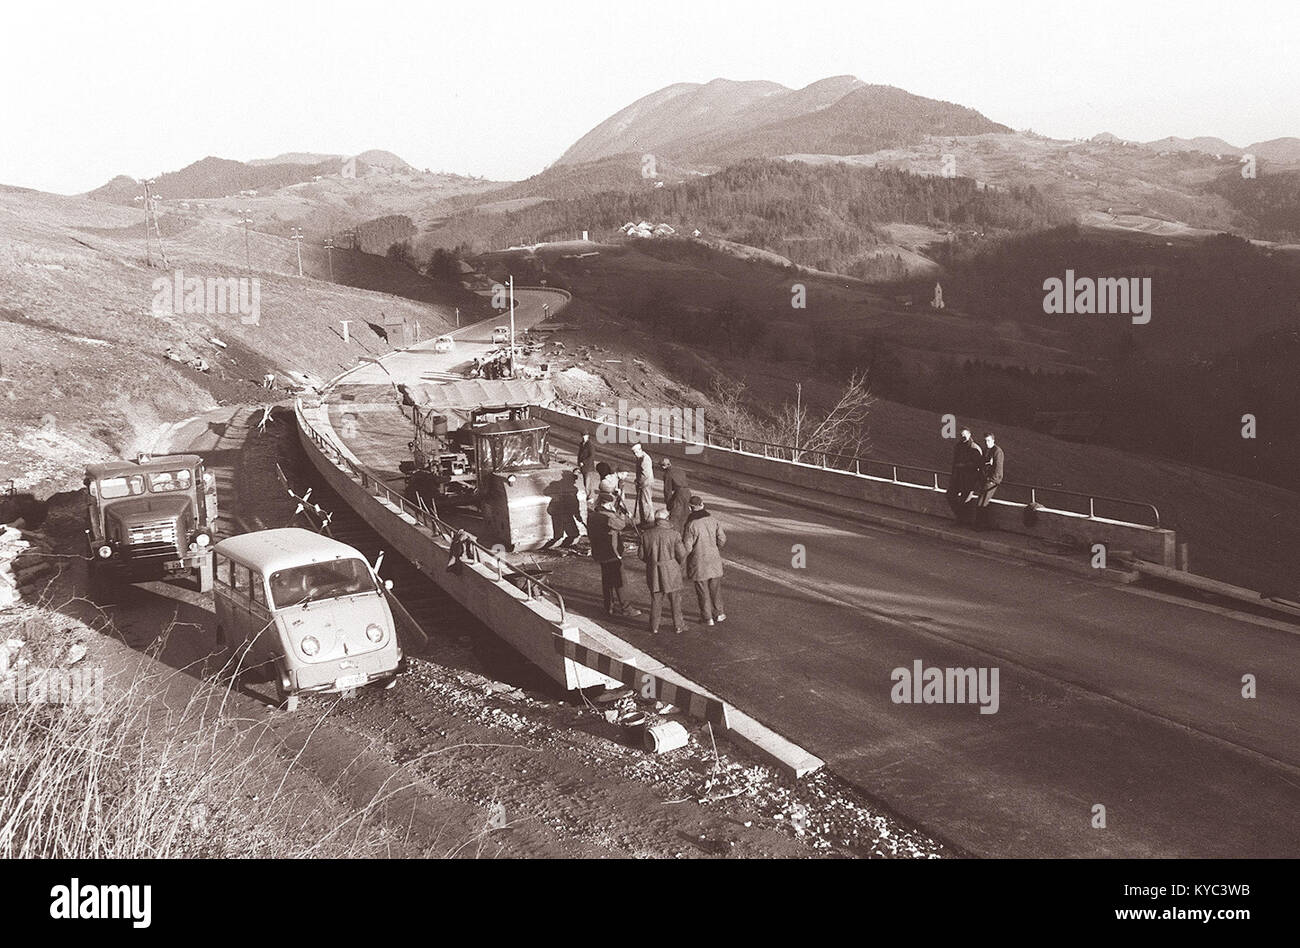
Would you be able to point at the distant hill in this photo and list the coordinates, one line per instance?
(376, 158)
(1279, 150)
(296, 158)
(724, 121)
(213, 178)
(1205, 143)
(218, 177)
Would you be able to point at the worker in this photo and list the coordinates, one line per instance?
(645, 485)
(605, 528)
(664, 555)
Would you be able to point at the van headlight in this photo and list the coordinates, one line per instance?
(203, 539)
(374, 633)
(310, 646)
(105, 551)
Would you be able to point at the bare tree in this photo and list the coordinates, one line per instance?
(844, 429)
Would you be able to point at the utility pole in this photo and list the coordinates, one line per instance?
(151, 218)
(512, 326)
(457, 317)
(329, 247)
(296, 237)
(246, 218)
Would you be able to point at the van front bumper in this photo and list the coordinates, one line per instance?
(345, 674)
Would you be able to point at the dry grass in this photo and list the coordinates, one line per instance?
(162, 767)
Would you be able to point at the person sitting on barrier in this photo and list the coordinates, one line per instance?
(991, 476)
(967, 459)
(605, 528)
(664, 554)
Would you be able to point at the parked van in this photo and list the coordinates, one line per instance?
(501, 335)
(306, 608)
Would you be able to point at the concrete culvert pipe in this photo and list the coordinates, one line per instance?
(666, 736)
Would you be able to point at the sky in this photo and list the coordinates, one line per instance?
(92, 90)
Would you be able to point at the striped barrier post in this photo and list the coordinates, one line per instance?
(645, 684)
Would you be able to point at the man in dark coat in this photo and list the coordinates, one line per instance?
(605, 527)
(677, 495)
(664, 555)
(704, 539)
(991, 473)
(967, 460)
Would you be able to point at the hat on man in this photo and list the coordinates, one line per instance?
(661, 515)
(697, 502)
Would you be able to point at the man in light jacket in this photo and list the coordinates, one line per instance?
(704, 539)
(645, 486)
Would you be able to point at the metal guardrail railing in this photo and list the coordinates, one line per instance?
(372, 482)
(1092, 506)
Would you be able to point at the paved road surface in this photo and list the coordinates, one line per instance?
(1108, 695)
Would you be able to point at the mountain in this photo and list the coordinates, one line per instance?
(296, 158)
(1281, 150)
(375, 158)
(214, 177)
(1205, 143)
(219, 177)
(724, 121)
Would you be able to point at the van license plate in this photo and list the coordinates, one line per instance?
(349, 681)
(174, 564)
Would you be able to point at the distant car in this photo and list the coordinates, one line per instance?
(444, 344)
(500, 335)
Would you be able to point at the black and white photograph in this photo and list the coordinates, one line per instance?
(563, 439)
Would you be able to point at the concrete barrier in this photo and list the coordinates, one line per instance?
(1155, 544)
(528, 624)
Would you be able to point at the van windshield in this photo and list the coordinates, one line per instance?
(318, 581)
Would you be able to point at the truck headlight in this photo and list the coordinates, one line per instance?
(309, 645)
(510, 479)
(104, 551)
(374, 633)
(203, 539)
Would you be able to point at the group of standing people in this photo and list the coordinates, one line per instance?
(976, 474)
(680, 543)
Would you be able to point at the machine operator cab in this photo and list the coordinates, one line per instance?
(519, 490)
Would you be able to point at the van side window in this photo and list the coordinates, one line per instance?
(223, 571)
(259, 589)
(241, 578)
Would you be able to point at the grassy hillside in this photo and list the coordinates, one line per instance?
(827, 217)
(83, 372)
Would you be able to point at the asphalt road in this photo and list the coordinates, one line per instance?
(1108, 695)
